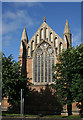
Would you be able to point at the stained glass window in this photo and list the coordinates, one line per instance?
(49, 50)
(49, 69)
(46, 67)
(43, 63)
(39, 51)
(35, 69)
(38, 68)
(52, 64)
(44, 45)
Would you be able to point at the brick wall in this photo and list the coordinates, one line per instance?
(29, 68)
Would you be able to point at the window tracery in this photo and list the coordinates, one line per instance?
(42, 64)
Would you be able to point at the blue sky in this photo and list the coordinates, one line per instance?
(17, 15)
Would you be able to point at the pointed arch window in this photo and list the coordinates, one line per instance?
(60, 47)
(41, 33)
(55, 40)
(32, 45)
(28, 51)
(43, 61)
(37, 39)
(46, 33)
(51, 37)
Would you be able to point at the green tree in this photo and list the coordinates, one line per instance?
(69, 77)
(0, 72)
(12, 80)
(0, 78)
(77, 76)
(63, 78)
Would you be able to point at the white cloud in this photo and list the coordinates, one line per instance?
(13, 21)
(6, 42)
(76, 39)
(29, 4)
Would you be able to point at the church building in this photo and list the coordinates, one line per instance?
(39, 54)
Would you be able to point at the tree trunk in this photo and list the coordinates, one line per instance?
(69, 109)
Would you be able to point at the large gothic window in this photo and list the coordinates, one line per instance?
(43, 61)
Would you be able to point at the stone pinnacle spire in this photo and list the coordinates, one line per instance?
(44, 19)
(67, 29)
(24, 35)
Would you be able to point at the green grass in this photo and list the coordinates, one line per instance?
(46, 116)
(6, 114)
(18, 115)
(73, 116)
(53, 116)
(26, 115)
(59, 116)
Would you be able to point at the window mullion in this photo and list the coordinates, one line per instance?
(42, 57)
(44, 68)
(35, 73)
(47, 68)
(51, 68)
(40, 68)
(37, 68)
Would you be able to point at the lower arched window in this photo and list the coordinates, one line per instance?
(43, 62)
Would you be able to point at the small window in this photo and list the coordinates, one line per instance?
(28, 51)
(37, 39)
(51, 37)
(46, 33)
(32, 45)
(41, 33)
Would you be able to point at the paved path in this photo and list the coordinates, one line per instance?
(39, 118)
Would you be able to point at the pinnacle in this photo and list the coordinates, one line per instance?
(21, 46)
(44, 19)
(67, 29)
(24, 34)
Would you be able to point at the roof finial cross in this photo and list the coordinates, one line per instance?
(44, 19)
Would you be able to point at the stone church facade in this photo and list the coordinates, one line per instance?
(38, 55)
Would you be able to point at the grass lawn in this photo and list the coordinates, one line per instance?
(51, 116)
(59, 116)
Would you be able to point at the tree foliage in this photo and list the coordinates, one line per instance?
(77, 76)
(0, 74)
(12, 80)
(45, 102)
(68, 77)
